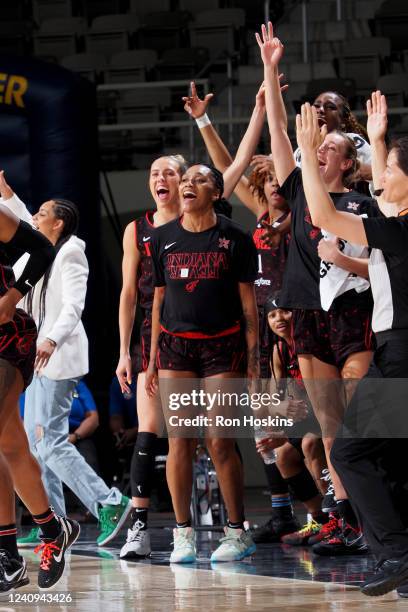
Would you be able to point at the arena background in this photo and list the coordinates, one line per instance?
(90, 94)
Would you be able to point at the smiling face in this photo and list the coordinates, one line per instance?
(329, 107)
(46, 221)
(279, 321)
(164, 181)
(197, 190)
(394, 181)
(332, 156)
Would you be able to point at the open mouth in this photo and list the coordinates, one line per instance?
(189, 195)
(281, 326)
(321, 120)
(162, 193)
(322, 163)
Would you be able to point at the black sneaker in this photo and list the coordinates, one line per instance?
(389, 575)
(274, 529)
(403, 591)
(53, 553)
(344, 541)
(13, 572)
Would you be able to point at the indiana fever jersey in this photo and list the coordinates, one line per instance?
(201, 272)
(144, 230)
(271, 261)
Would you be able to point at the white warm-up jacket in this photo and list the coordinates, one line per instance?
(64, 303)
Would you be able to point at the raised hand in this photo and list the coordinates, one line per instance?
(6, 191)
(194, 105)
(377, 117)
(308, 134)
(271, 48)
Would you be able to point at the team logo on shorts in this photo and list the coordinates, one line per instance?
(223, 243)
(191, 286)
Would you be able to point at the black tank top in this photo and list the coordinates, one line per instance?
(271, 261)
(144, 229)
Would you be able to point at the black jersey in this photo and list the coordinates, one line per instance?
(388, 270)
(144, 230)
(201, 272)
(302, 274)
(271, 261)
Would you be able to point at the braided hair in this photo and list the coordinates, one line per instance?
(350, 122)
(68, 212)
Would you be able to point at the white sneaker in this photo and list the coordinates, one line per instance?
(137, 543)
(234, 546)
(184, 546)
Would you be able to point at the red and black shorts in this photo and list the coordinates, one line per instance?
(206, 357)
(145, 341)
(332, 336)
(18, 344)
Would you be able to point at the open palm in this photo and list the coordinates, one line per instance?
(377, 116)
(271, 48)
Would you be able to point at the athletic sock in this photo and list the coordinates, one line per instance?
(238, 525)
(282, 506)
(139, 516)
(346, 513)
(8, 539)
(184, 525)
(50, 526)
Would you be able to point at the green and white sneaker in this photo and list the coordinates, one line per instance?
(31, 540)
(184, 546)
(111, 519)
(234, 546)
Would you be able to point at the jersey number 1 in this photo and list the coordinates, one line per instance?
(260, 271)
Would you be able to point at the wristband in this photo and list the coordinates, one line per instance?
(203, 121)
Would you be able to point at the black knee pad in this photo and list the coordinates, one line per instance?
(142, 464)
(303, 485)
(277, 484)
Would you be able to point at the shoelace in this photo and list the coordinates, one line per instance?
(180, 537)
(229, 538)
(104, 519)
(136, 535)
(329, 526)
(47, 549)
(309, 527)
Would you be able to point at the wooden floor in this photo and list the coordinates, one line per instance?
(110, 585)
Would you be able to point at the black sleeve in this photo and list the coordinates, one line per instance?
(370, 208)
(157, 266)
(390, 234)
(42, 254)
(245, 260)
(291, 186)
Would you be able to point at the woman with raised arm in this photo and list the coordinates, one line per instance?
(204, 269)
(334, 112)
(259, 193)
(367, 464)
(325, 285)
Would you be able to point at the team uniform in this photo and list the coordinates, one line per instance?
(201, 313)
(271, 266)
(18, 337)
(366, 462)
(144, 230)
(346, 327)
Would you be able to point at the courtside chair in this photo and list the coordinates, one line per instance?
(217, 30)
(88, 65)
(51, 9)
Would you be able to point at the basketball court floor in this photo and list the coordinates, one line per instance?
(277, 577)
